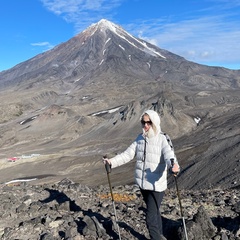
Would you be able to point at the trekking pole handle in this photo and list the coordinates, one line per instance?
(107, 165)
(172, 163)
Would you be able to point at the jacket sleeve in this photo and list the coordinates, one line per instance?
(168, 151)
(125, 156)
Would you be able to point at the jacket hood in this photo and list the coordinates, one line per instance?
(155, 118)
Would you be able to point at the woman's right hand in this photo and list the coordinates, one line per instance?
(107, 164)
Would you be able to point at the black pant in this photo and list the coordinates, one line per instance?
(153, 217)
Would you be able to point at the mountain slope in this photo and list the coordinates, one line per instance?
(84, 98)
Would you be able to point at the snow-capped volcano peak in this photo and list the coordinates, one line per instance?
(104, 25)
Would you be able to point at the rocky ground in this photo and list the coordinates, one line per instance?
(68, 210)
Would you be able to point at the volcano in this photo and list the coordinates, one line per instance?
(71, 105)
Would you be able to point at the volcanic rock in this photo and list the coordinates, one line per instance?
(68, 210)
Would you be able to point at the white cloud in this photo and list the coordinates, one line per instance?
(203, 39)
(40, 44)
(82, 13)
(45, 45)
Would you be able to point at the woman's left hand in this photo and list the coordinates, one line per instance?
(175, 169)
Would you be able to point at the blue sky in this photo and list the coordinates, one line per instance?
(202, 31)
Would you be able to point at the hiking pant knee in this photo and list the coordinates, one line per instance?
(153, 216)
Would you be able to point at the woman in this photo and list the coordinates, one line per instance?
(154, 156)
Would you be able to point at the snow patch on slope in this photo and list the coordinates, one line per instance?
(112, 110)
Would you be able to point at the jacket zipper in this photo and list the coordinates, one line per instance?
(144, 159)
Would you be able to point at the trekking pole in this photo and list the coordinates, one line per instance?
(179, 200)
(108, 169)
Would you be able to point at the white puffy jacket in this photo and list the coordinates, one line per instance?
(152, 158)
(151, 173)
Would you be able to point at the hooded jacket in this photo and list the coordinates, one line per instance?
(152, 157)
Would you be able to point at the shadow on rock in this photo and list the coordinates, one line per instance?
(170, 228)
(92, 223)
(61, 198)
(230, 224)
(132, 231)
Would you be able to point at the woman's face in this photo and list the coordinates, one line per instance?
(146, 122)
